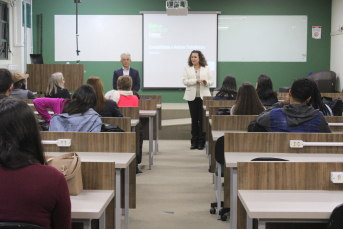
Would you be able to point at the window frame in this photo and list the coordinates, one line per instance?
(6, 24)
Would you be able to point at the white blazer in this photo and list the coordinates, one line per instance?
(190, 80)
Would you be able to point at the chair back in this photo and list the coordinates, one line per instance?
(336, 219)
(219, 151)
(325, 80)
(15, 225)
(268, 159)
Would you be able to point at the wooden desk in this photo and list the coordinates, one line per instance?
(134, 123)
(150, 114)
(151, 105)
(90, 204)
(220, 124)
(232, 159)
(122, 161)
(288, 205)
(219, 133)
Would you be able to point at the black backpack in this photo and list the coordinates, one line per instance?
(110, 128)
(335, 105)
(223, 111)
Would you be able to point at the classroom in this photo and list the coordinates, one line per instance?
(178, 187)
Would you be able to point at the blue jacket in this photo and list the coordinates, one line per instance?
(278, 123)
(87, 122)
(136, 81)
(292, 118)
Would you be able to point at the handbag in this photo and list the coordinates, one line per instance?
(70, 165)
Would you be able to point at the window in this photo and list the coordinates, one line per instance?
(28, 15)
(3, 31)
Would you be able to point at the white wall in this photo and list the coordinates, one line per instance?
(336, 62)
(16, 36)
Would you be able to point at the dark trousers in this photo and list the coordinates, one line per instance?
(195, 109)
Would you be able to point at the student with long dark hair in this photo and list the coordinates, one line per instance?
(228, 91)
(247, 102)
(75, 115)
(31, 191)
(264, 88)
(316, 100)
(105, 107)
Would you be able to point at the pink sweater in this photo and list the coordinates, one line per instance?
(42, 104)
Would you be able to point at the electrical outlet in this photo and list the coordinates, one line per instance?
(296, 144)
(337, 177)
(64, 142)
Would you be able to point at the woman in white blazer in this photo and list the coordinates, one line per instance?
(197, 77)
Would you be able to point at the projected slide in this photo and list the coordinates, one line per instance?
(168, 42)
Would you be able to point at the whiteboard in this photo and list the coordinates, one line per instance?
(101, 37)
(247, 38)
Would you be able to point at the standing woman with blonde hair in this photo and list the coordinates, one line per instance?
(104, 107)
(56, 87)
(197, 77)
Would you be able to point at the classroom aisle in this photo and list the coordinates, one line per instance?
(178, 182)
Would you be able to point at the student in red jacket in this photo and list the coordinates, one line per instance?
(31, 191)
(123, 96)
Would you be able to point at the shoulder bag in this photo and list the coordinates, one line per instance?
(70, 165)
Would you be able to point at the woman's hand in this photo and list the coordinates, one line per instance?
(201, 81)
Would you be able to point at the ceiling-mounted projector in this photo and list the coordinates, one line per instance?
(176, 7)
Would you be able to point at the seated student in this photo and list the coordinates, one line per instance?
(293, 115)
(316, 100)
(247, 102)
(75, 115)
(6, 84)
(105, 107)
(56, 88)
(264, 88)
(228, 91)
(19, 87)
(123, 96)
(127, 98)
(31, 191)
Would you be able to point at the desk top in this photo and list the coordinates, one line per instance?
(159, 106)
(121, 160)
(290, 204)
(90, 204)
(231, 159)
(218, 133)
(147, 113)
(134, 122)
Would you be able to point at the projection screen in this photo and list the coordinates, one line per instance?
(168, 42)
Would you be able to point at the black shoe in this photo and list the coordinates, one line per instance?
(194, 146)
(137, 170)
(200, 147)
